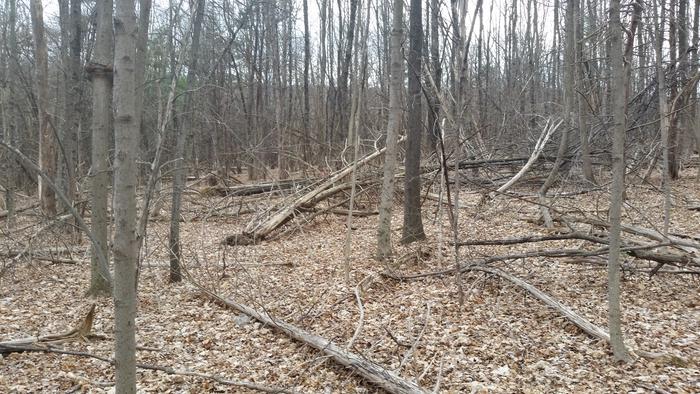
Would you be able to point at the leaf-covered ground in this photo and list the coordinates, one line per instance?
(500, 340)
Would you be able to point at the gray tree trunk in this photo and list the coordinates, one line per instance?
(412, 218)
(100, 71)
(186, 125)
(47, 142)
(125, 249)
(384, 250)
(619, 106)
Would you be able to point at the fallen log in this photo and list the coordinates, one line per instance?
(369, 370)
(639, 251)
(259, 230)
(252, 189)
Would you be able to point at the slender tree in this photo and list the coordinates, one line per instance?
(412, 218)
(100, 71)
(186, 124)
(47, 142)
(619, 107)
(125, 249)
(392, 132)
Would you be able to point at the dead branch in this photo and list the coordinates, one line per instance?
(81, 330)
(258, 230)
(547, 132)
(370, 371)
(412, 349)
(358, 297)
(580, 321)
(3, 214)
(252, 189)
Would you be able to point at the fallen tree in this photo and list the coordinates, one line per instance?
(261, 227)
(256, 188)
(367, 369)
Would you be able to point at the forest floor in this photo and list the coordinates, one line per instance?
(501, 340)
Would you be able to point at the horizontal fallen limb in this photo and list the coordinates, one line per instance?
(255, 188)
(4, 214)
(580, 321)
(639, 251)
(260, 228)
(367, 369)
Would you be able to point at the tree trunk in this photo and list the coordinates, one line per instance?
(100, 71)
(393, 129)
(186, 125)
(412, 218)
(47, 142)
(125, 249)
(582, 88)
(140, 75)
(619, 107)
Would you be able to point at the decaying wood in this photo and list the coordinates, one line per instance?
(257, 188)
(369, 370)
(258, 230)
(547, 132)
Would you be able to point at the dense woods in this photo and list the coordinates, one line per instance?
(379, 195)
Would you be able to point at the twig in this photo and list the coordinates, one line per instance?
(409, 352)
(360, 324)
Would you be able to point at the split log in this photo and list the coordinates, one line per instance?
(369, 370)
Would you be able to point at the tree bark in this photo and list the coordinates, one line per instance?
(47, 141)
(619, 107)
(412, 218)
(100, 71)
(125, 249)
(384, 250)
(180, 153)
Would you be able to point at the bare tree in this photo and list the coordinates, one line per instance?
(125, 249)
(619, 106)
(412, 217)
(186, 125)
(100, 71)
(47, 142)
(392, 134)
